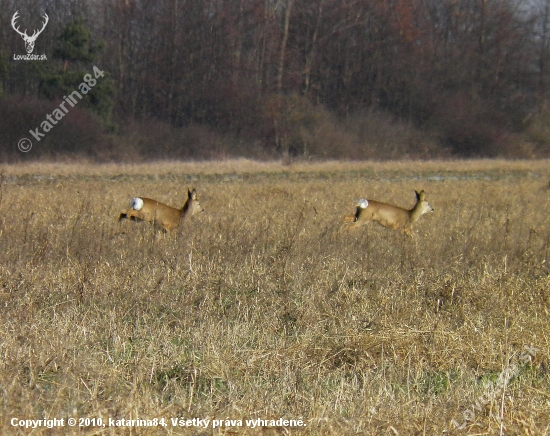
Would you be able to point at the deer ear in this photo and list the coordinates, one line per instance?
(192, 194)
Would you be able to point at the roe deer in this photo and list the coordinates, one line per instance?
(389, 216)
(154, 211)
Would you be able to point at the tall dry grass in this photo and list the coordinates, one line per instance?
(261, 307)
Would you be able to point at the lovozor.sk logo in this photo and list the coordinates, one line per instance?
(29, 40)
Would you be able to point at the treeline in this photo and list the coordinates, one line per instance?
(263, 78)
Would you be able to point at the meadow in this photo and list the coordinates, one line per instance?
(261, 307)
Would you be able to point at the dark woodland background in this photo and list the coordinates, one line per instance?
(265, 79)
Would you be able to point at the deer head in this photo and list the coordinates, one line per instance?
(29, 40)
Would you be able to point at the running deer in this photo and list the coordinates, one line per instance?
(389, 216)
(154, 211)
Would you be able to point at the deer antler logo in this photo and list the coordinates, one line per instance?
(29, 40)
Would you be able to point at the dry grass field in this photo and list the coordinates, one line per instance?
(261, 307)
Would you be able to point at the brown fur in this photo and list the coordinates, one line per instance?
(167, 217)
(389, 216)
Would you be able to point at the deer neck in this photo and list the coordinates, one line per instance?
(416, 212)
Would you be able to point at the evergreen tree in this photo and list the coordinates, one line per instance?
(78, 58)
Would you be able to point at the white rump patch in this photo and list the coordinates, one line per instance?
(136, 203)
(362, 203)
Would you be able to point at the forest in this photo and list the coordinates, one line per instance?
(270, 79)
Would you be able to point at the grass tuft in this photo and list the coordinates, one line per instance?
(261, 307)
